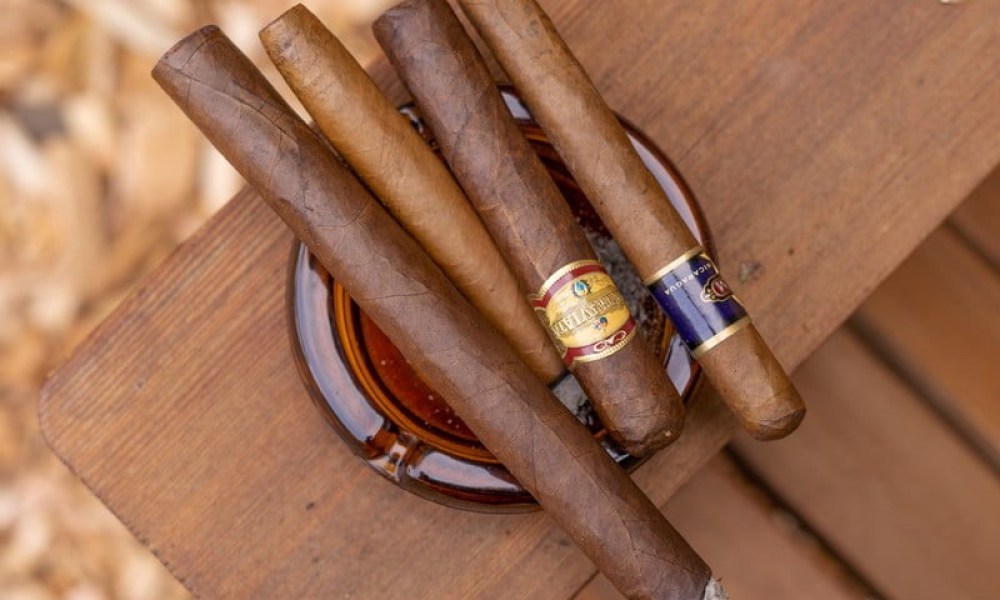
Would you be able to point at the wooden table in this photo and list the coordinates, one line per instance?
(824, 141)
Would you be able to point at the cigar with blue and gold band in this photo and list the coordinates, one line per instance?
(532, 224)
(685, 281)
(438, 331)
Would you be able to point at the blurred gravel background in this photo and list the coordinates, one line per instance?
(100, 178)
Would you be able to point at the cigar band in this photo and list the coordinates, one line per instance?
(584, 313)
(698, 301)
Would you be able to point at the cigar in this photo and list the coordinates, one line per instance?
(684, 280)
(444, 337)
(523, 209)
(402, 171)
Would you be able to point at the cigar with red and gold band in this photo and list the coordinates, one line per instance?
(531, 222)
(445, 338)
(685, 281)
(393, 160)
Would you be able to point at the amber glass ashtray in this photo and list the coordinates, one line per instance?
(400, 426)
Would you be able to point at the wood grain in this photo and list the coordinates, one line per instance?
(936, 318)
(815, 138)
(760, 556)
(891, 487)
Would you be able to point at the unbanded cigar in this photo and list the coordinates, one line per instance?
(384, 150)
(445, 338)
(681, 276)
(531, 222)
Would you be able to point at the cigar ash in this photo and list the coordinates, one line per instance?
(405, 430)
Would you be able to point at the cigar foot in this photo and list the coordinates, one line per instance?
(649, 446)
(775, 417)
(651, 441)
(766, 431)
(754, 386)
(643, 433)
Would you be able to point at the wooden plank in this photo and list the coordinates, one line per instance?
(891, 487)
(755, 551)
(978, 219)
(806, 131)
(242, 490)
(936, 320)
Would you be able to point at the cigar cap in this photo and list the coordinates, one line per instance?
(402, 171)
(181, 52)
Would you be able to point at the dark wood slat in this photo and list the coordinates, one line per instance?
(889, 485)
(978, 219)
(758, 556)
(936, 320)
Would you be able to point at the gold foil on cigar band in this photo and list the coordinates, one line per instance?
(718, 338)
(670, 266)
(559, 273)
(613, 344)
(584, 312)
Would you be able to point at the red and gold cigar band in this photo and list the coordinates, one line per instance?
(584, 313)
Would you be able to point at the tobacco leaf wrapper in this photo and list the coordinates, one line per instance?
(445, 338)
(395, 163)
(531, 222)
(685, 281)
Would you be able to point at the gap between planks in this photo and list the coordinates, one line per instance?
(977, 220)
(935, 322)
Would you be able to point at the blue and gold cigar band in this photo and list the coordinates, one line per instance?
(698, 301)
